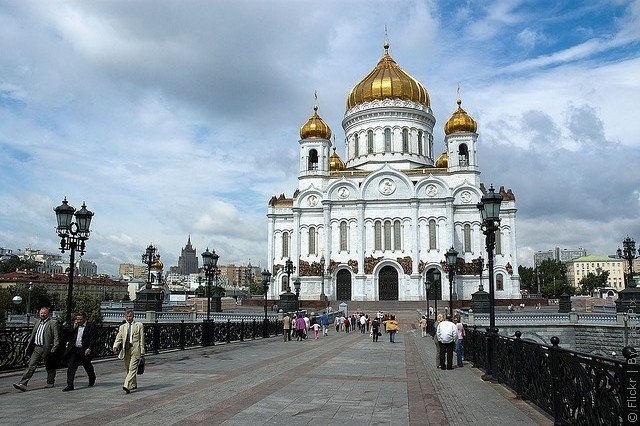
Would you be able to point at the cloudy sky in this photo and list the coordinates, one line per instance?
(178, 118)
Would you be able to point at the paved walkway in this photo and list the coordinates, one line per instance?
(341, 379)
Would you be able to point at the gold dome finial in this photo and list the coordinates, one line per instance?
(460, 121)
(335, 163)
(315, 127)
(387, 81)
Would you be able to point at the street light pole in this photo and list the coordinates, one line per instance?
(628, 253)
(489, 207)
(478, 266)
(427, 287)
(266, 277)
(322, 264)
(451, 258)
(296, 285)
(72, 237)
(210, 265)
(288, 269)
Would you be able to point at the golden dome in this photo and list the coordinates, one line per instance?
(443, 161)
(157, 265)
(315, 127)
(460, 121)
(335, 163)
(387, 81)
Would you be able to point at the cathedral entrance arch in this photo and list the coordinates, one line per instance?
(343, 285)
(388, 283)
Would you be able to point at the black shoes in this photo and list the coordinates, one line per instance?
(21, 387)
(126, 390)
(92, 382)
(68, 388)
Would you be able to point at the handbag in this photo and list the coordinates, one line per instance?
(141, 366)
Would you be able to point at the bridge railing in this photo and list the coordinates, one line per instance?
(573, 387)
(158, 337)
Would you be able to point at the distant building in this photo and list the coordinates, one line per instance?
(188, 260)
(582, 266)
(558, 254)
(132, 270)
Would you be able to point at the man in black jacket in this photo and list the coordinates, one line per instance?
(79, 350)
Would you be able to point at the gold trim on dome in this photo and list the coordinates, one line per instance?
(315, 127)
(460, 121)
(388, 81)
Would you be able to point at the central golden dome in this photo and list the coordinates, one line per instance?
(387, 81)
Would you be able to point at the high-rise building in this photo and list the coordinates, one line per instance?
(562, 255)
(188, 260)
(133, 270)
(383, 219)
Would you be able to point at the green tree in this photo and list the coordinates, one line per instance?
(85, 302)
(528, 279)
(592, 281)
(14, 263)
(6, 304)
(553, 279)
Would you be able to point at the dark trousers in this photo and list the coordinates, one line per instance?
(375, 334)
(76, 358)
(287, 334)
(446, 349)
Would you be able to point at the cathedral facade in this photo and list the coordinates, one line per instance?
(377, 225)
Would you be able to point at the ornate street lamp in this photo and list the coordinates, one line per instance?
(288, 269)
(452, 258)
(72, 237)
(296, 285)
(210, 266)
(266, 277)
(628, 253)
(489, 207)
(478, 266)
(322, 264)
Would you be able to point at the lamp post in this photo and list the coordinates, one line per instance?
(266, 277)
(296, 285)
(628, 253)
(489, 207)
(72, 237)
(427, 287)
(322, 263)
(210, 266)
(149, 257)
(288, 269)
(29, 303)
(452, 258)
(478, 266)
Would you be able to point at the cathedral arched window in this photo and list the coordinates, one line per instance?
(285, 244)
(387, 140)
(397, 235)
(387, 235)
(499, 282)
(405, 140)
(313, 160)
(467, 238)
(370, 142)
(343, 235)
(432, 234)
(420, 142)
(312, 240)
(463, 155)
(377, 235)
(498, 241)
(356, 147)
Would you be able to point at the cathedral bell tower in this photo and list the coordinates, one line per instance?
(315, 142)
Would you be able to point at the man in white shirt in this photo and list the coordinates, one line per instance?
(447, 333)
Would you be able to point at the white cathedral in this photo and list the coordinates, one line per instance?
(377, 226)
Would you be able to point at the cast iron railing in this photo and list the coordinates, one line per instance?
(573, 387)
(158, 337)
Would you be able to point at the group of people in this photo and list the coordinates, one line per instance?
(45, 340)
(449, 337)
(301, 324)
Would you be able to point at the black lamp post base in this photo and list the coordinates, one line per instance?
(148, 299)
(288, 302)
(480, 302)
(628, 300)
(217, 304)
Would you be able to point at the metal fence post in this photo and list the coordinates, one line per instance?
(519, 368)
(556, 380)
(182, 334)
(156, 337)
(242, 330)
(228, 331)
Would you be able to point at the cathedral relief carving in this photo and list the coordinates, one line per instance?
(343, 193)
(509, 268)
(465, 197)
(312, 200)
(387, 186)
(370, 263)
(306, 269)
(431, 191)
(406, 264)
(353, 264)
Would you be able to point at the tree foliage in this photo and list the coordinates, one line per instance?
(15, 263)
(553, 279)
(592, 281)
(528, 279)
(85, 302)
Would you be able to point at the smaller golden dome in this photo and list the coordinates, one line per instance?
(460, 121)
(157, 265)
(443, 161)
(335, 163)
(315, 127)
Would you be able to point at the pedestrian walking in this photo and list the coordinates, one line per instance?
(375, 329)
(129, 345)
(391, 325)
(286, 327)
(41, 347)
(324, 320)
(447, 333)
(460, 341)
(79, 350)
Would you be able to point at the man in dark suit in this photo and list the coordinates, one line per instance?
(43, 343)
(79, 350)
